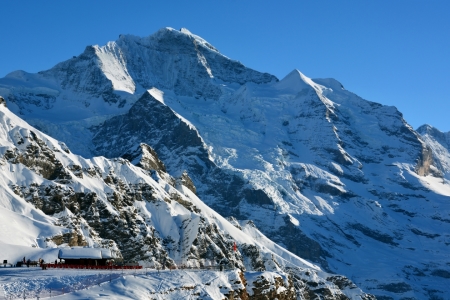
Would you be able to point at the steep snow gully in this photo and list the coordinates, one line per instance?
(299, 164)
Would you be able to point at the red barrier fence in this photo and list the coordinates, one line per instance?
(91, 267)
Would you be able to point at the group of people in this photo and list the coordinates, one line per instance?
(41, 263)
(28, 262)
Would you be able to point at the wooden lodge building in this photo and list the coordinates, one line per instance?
(85, 256)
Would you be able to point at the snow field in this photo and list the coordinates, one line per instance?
(129, 284)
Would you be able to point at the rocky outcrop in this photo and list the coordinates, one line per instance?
(185, 180)
(262, 287)
(145, 157)
(425, 161)
(36, 155)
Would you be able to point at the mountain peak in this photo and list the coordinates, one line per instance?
(185, 30)
(429, 129)
(169, 34)
(295, 81)
(441, 137)
(425, 128)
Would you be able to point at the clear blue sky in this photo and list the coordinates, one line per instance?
(392, 52)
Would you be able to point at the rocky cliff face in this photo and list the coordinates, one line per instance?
(336, 179)
(439, 142)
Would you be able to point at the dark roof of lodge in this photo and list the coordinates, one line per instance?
(84, 253)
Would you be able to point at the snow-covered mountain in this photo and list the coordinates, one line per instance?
(51, 198)
(105, 81)
(337, 180)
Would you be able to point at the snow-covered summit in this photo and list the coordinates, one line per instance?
(167, 59)
(442, 137)
(107, 80)
(294, 82)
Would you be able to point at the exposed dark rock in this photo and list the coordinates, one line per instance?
(187, 182)
(441, 273)
(38, 157)
(441, 219)
(411, 270)
(428, 235)
(396, 208)
(398, 288)
(299, 243)
(264, 289)
(384, 297)
(374, 234)
(342, 282)
(188, 205)
(76, 170)
(50, 199)
(308, 288)
(71, 239)
(252, 252)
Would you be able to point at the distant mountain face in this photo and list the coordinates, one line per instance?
(335, 179)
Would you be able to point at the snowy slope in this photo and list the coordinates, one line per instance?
(338, 180)
(53, 198)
